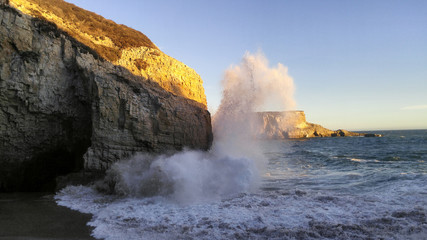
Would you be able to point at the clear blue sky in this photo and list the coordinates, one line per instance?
(357, 65)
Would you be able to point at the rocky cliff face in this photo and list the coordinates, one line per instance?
(64, 107)
(293, 124)
(120, 45)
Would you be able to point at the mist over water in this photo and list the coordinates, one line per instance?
(235, 162)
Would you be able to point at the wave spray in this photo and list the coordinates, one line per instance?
(235, 161)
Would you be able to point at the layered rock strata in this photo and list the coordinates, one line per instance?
(293, 124)
(64, 107)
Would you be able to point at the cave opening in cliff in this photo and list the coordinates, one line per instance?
(42, 171)
(61, 142)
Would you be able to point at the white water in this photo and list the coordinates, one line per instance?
(280, 214)
(185, 177)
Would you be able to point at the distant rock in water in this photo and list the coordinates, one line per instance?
(78, 91)
(293, 124)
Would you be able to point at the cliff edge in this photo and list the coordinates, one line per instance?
(66, 105)
(293, 124)
(119, 44)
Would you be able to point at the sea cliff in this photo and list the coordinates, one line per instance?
(67, 105)
(120, 45)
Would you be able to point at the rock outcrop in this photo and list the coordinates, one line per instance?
(293, 124)
(64, 106)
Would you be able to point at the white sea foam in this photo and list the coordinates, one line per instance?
(398, 211)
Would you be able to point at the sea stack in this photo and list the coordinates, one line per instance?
(78, 91)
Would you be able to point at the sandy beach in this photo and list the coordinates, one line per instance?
(37, 216)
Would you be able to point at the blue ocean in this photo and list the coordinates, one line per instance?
(318, 188)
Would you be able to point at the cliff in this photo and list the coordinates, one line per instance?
(65, 105)
(119, 45)
(293, 124)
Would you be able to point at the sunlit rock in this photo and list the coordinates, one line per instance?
(292, 124)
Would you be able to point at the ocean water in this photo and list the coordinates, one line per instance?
(320, 188)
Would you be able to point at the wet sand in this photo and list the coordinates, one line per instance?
(37, 216)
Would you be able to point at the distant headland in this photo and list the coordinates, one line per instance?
(293, 124)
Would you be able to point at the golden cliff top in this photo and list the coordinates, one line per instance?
(120, 45)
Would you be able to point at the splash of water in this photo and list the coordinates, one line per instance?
(254, 86)
(249, 87)
(187, 176)
(234, 163)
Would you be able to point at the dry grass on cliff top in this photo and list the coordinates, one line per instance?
(90, 28)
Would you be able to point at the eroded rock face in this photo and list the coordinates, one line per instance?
(293, 124)
(120, 45)
(64, 108)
